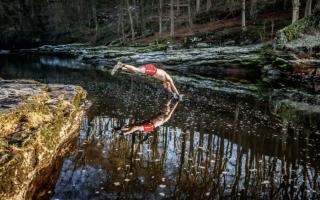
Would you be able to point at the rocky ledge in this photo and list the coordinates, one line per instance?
(37, 123)
(302, 36)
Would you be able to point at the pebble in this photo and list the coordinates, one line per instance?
(266, 182)
(162, 194)
(116, 183)
(162, 186)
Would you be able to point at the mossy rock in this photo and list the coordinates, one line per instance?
(296, 30)
(43, 120)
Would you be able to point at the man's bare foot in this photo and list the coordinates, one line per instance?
(116, 67)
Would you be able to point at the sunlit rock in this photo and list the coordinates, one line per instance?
(43, 119)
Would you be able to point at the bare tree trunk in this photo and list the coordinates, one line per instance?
(178, 7)
(243, 16)
(285, 4)
(308, 10)
(198, 4)
(135, 14)
(94, 13)
(272, 28)
(295, 10)
(172, 18)
(209, 4)
(253, 9)
(190, 15)
(20, 7)
(32, 9)
(160, 16)
(131, 20)
(142, 16)
(121, 25)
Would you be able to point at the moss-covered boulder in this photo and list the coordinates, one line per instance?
(37, 123)
(302, 34)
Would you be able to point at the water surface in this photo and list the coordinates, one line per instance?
(223, 140)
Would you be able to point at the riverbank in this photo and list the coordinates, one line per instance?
(38, 123)
(197, 58)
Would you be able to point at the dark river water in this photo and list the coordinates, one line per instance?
(221, 141)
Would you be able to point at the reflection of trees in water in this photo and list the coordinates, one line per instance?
(245, 132)
(184, 164)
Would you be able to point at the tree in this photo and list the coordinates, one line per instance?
(253, 9)
(209, 4)
(172, 18)
(295, 10)
(178, 7)
(198, 4)
(142, 16)
(243, 15)
(131, 20)
(160, 16)
(190, 15)
(120, 23)
(285, 4)
(308, 9)
(94, 15)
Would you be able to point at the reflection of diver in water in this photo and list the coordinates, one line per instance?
(150, 125)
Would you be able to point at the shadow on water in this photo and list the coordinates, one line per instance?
(216, 144)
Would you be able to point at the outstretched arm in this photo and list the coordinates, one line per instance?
(172, 86)
(167, 117)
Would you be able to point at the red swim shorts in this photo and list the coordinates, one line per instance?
(148, 127)
(151, 69)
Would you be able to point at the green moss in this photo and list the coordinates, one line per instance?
(283, 110)
(3, 145)
(294, 31)
(152, 47)
(39, 143)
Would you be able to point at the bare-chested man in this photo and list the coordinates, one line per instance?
(152, 71)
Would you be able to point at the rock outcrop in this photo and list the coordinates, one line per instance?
(302, 35)
(37, 124)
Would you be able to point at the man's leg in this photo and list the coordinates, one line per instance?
(132, 69)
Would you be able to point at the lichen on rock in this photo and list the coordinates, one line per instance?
(35, 121)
